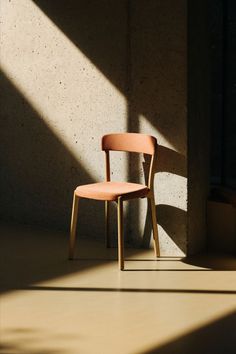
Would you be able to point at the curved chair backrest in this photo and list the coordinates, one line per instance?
(130, 142)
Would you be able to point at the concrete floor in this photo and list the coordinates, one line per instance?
(52, 306)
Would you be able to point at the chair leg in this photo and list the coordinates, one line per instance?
(73, 226)
(107, 216)
(154, 226)
(120, 233)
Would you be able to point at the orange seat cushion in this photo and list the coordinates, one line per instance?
(112, 190)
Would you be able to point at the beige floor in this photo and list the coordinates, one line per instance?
(52, 306)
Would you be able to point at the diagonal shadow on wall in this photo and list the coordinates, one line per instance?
(37, 167)
(154, 66)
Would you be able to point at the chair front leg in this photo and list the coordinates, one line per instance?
(154, 225)
(120, 233)
(107, 216)
(73, 225)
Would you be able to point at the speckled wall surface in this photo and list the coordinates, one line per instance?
(73, 71)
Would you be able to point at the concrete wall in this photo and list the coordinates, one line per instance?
(73, 71)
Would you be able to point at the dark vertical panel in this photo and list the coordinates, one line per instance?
(229, 137)
(216, 43)
(199, 96)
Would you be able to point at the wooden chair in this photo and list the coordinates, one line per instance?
(119, 191)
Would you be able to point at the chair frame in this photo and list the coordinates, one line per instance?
(121, 199)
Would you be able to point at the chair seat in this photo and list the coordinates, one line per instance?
(112, 190)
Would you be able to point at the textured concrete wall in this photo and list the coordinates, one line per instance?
(73, 71)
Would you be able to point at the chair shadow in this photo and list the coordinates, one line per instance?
(127, 290)
(172, 220)
(170, 161)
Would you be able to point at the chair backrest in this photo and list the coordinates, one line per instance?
(130, 142)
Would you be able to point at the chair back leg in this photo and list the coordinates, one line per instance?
(107, 228)
(154, 225)
(120, 233)
(73, 225)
